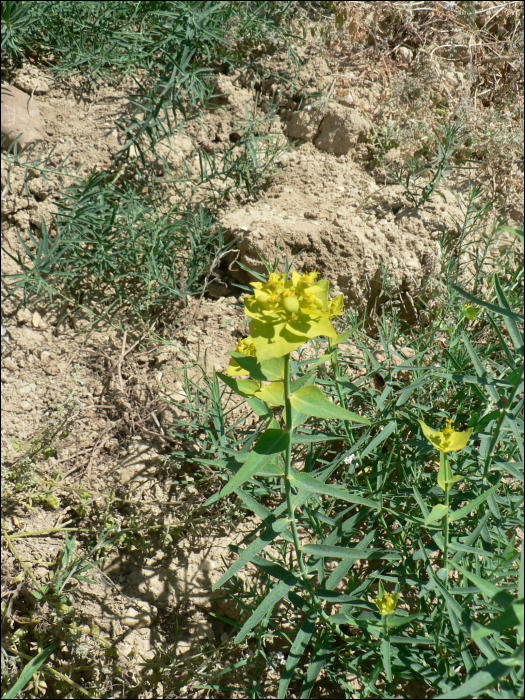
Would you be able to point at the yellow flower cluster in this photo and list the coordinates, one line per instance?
(387, 604)
(286, 314)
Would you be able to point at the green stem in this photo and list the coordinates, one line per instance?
(445, 525)
(291, 510)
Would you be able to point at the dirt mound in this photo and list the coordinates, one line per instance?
(314, 207)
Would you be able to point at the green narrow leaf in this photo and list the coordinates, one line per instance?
(274, 528)
(385, 433)
(487, 305)
(309, 483)
(485, 587)
(484, 678)
(305, 379)
(317, 663)
(272, 443)
(267, 604)
(344, 336)
(304, 439)
(311, 401)
(480, 370)
(294, 657)
(315, 363)
(511, 617)
(336, 552)
(242, 387)
(385, 654)
(514, 231)
(458, 514)
(29, 670)
(407, 392)
(515, 335)
(436, 514)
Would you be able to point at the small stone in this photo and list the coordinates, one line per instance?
(27, 389)
(5, 377)
(26, 406)
(23, 316)
(10, 364)
(41, 573)
(405, 53)
(207, 565)
(44, 357)
(37, 320)
(141, 615)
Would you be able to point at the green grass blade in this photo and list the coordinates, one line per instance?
(308, 483)
(300, 643)
(481, 680)
(487, 305)
(29, 670)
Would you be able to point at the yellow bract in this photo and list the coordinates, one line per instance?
(387, 604)
(471, 311)
(246, 347)
(447, 440)
(336, 307)
(285, 314)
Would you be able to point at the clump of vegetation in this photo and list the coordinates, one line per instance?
(363, 519)
(116, 245)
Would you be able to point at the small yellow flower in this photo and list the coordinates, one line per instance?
(447, 440)
(246, 347)
(471, 311)
(387, 604)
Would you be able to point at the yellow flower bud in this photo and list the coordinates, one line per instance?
(387, 604)
(291, 305)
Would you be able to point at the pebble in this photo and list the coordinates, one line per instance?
(45, 357)
(23, 316)
(37, 321)
(27, 388)
(207, 565)
(140, 616)
(26, 406)
(10, 364)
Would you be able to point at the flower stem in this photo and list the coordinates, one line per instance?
(291, 510)
(444, 456)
